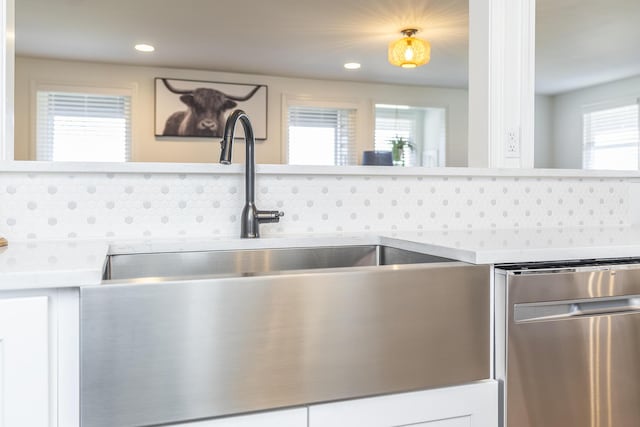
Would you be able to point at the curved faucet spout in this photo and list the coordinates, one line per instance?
(229, 133)
(227, 146)
(251, 216)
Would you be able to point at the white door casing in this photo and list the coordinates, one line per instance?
(7, 60)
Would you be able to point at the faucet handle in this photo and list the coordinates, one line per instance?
(269, 216)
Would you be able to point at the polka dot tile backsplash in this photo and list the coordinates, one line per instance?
(56, 205)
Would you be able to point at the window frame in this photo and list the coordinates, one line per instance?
(38, 85)
(361, 127)
(609, 104)
(443, 154)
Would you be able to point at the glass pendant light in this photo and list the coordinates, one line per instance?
(409, 51)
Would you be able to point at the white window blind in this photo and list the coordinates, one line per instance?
(321, 136)
(83, 127)
(611, 138)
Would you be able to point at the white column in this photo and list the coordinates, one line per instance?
(7, 60)
(501, 83)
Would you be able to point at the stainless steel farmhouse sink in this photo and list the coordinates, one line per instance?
(248, 261)
(186, 336)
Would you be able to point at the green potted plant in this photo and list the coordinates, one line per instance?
(398, 144)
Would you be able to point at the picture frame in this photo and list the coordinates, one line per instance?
(199, 109)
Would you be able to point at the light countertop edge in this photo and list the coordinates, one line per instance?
(51, 264)
(55, 264)
(270, 169)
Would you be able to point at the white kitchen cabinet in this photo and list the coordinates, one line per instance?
(24, 362)
(285, 418)
(472, 405)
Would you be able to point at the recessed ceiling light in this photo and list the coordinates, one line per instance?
(144, 47)
(351, 65)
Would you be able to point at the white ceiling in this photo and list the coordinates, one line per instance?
(580, 42)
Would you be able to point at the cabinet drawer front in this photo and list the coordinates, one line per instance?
(470, 405)
(285, 418)
(24, 362)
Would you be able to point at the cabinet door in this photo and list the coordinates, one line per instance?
(285, 418)
(473, 405)
(24, 381)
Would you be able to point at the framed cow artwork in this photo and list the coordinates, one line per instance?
(191, 108)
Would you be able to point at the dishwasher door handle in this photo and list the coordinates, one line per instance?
(558, 310)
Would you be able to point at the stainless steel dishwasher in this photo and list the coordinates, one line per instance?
(568, 343)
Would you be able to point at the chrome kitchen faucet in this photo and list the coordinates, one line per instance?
(251, 216)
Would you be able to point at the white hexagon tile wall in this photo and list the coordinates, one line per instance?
(55, 205)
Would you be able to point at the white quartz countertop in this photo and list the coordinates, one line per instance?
(51, 264)
(523, 245)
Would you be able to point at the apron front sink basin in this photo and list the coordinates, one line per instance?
(174, 337)
(256, 261)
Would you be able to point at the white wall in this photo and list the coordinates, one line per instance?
(567, 117)
(147, 148)
(543, 132)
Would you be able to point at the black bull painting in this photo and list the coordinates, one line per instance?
(204, 109)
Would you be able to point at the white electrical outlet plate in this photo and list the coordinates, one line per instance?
(512, 144)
